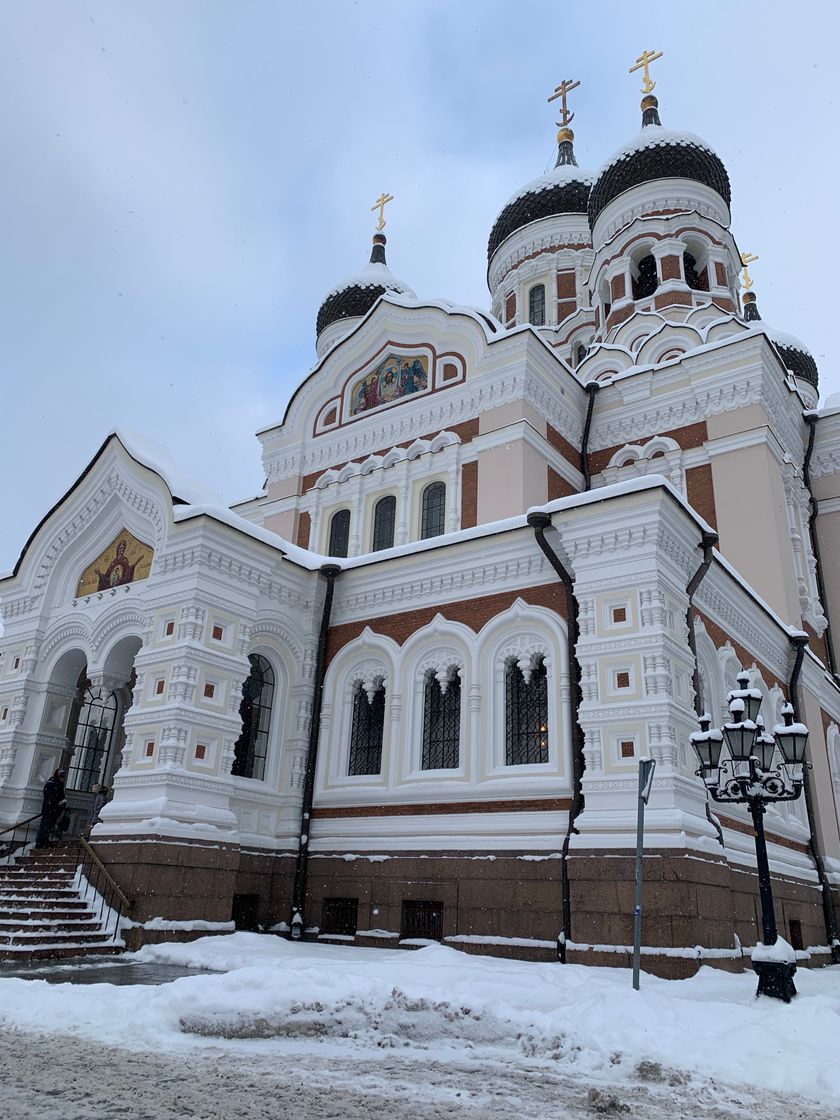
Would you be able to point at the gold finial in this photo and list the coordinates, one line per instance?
(746, 280)
(380, 206)
(643, 62)
(561, 91)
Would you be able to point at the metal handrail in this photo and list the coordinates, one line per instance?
(109, 879)
(20, 824)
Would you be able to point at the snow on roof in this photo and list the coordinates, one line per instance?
(301, 556)
(156, 457)
(653, 136)
(782, 338)
(373, 275)
(557, 177)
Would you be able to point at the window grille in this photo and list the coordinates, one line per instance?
(339, 533)
(366, 732)
(340, 916)
(384, 518)
(647, 281)
(433, 519)
(422, 919)
(92, 739)
(526, 715)
(251, 750)
(536, 305)
(441, 723)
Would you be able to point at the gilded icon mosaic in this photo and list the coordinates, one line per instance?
(125, 560)
(396, 376)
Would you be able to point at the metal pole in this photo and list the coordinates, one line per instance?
(765, 889)
(646, 769)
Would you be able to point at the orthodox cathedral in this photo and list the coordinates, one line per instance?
(501, 556)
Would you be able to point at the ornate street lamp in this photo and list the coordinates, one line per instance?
(746, 775)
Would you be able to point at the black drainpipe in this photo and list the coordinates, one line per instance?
(811, 421)
(799, 643)
(329, 572)
(539, 522)
(592, 388)
(707, 543)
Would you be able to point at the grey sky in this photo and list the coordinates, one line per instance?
(183, 182)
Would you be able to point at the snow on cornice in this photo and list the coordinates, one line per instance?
(158, 459)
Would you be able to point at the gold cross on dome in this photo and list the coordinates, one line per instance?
(561, 91)
(746, 260)
(643, 62)
(380, 206)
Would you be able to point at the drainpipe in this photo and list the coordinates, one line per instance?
(811, 421)
(707, 543)
(539, 522)
(329, 572)
(592, 388)
(799, 643)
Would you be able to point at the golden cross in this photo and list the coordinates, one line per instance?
(564, 88)
(644, 61)
(746, 260)
(380, 206)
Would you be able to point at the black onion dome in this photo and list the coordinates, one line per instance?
(794, 353)
(356, 296)
(564, 190)
(657, 153)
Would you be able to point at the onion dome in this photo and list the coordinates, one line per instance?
(564, 190)
(795, 355)
(657, 153)
(356, 296)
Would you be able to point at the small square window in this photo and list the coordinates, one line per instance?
(628, 748)
(150, 748)
(209, 691)
(622, 679)
(160, 685)
(169, 628)
(619, 614)
(200, 751)
(218, 633)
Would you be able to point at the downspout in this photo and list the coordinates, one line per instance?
(539, 522)
(707, 543)
(799, 643)
(592, 388)
(811, 421)
(329, 572)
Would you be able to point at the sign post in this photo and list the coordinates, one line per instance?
(646, 769)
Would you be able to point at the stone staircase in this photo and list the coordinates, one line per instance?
(42, 915)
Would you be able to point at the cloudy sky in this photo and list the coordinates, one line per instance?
(184, 180)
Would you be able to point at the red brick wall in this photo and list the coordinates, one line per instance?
(566, 287)
(701, 493)
(558, 487)
(469, 495)
(671, 268)
(560, 443)
(303, 530)
(692, 435)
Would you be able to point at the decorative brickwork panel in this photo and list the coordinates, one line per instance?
(469, 495)
(304, 530)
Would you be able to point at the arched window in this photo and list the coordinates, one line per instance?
(647, 281)
(384, 517)
(441, 721)
(580, 354)
(433, 510)
(92, 739)
(536, 305)
(692, 276)
(367, 729)
(339, 533)
(251, 748)
(526, 714)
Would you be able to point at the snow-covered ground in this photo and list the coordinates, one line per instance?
(333, 1030)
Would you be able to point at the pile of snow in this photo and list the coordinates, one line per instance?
(444, 1003)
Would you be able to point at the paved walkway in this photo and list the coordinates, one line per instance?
(96, 970)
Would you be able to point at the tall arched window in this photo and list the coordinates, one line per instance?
(441, 721)
(384, 518)
(433, 510)
(339, 540)
(536, 305)
(251, 748)
(368, 727)
(580, 354)
(692, 276)
(526, 714)
(647, 281)
(92, 739)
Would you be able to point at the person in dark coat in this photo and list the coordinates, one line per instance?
(51, 808)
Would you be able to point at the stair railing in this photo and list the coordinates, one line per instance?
(99, 888)
(17, 839)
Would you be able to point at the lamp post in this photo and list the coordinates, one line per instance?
(746, 775)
